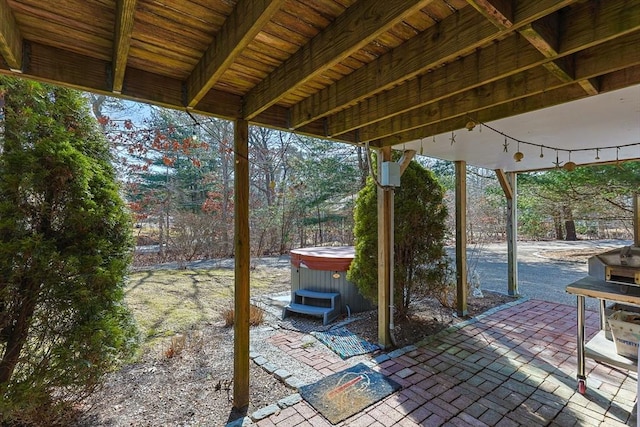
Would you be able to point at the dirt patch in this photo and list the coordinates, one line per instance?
(572, 255)
(193, 384)
(427, 317)
(194, 387)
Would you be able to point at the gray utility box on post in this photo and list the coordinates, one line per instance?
(390, 174)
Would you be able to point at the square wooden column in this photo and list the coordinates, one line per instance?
(636, 220)
(509, 184)
(242, 262)
(461, 238)
(385, 248)
(512, 235)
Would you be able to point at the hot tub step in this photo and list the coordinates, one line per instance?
(321, 304)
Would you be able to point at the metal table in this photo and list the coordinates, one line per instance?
(599, 348)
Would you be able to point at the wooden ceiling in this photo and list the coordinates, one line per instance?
(384, 71)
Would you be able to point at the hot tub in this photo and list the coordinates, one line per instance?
(324, 269)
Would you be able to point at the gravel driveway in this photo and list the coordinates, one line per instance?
(539, 277)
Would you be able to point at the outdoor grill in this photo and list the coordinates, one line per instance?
(621, 266)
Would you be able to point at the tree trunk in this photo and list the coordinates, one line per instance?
(18, 333)
(570, 227)
(569, 224)
(557, 225)
(226, 199)
(363, 166)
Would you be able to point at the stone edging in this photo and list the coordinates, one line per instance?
(293, 382)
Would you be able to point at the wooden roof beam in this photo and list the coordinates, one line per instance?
(504, 183)
(243, 25)
(599, 60)
(610, 82)
(498, 12)
(544, 36)
(52, 65)
(406, 158)
(125, 10)
(499, 60)
(522, 85)
(455, 36)
(58, 66)
(359, 25)
(10, 38)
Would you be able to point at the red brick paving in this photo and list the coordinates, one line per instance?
(515, 367)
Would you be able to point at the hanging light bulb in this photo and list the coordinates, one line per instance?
(541, 153)
(569, 166)
(518, 156)
(470, 125)
(421, 147)
(597, 154)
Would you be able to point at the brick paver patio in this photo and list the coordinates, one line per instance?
(515, 366)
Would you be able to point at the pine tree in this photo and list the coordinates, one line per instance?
(65, 245)
(420, 230)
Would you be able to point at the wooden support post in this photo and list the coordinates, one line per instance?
(385, 247)
(242, 262)
(636, 220)
(512, 235)
(461, 237)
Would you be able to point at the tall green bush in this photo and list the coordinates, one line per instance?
(65, 245)
(420, 231)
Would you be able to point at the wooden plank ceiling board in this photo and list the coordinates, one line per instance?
(386, 72)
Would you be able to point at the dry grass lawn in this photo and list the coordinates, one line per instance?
(167, 302)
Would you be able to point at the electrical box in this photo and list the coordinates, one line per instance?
(390, 174)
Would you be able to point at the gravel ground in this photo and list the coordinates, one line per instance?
(543, 273)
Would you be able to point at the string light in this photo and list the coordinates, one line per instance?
(570, 165)
(421, 146)
(519, 155)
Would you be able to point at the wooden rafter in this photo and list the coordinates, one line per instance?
(594, 62)
(246, 21)
(498, 12)
(406, 158)
(509, 89)
(613, 81)
(488, 64)
(358, 26)
(457, 35)
(10, 38)
(438, 44)
(504, 183)
(50, 64)
(124, 27)
(544, 36)
(503, 59)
